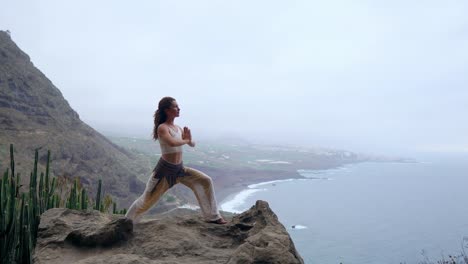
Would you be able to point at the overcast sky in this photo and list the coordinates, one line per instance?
(377, 76)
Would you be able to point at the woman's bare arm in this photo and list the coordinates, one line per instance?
(163, 133)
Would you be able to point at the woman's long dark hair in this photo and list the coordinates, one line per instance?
(160, 115)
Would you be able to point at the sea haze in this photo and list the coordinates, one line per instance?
(372, 212)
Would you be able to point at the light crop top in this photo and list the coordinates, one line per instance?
(165, 148)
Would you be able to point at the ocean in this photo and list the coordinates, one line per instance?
(372, 212)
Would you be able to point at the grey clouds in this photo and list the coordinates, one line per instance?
(377, 76)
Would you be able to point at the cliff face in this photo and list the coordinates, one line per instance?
(29, 100)
(180, 236)
(34, 114)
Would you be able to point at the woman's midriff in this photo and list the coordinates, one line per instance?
(174, 158)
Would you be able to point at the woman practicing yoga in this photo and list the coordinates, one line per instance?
(170, 169)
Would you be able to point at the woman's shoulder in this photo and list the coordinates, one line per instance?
(163, 127)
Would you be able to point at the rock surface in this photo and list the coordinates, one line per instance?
(179, 236)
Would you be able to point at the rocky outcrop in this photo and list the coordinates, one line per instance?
(179, 236)
(35, 115)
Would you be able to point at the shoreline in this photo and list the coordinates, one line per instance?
(223, 193)
(239, 198)
(227, 194)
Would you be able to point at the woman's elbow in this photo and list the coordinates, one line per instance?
(172, 144)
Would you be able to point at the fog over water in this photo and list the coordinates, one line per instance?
(375, 76)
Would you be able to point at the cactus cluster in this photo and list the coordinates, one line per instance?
(20, 212)
(17, 218)
(77, 198)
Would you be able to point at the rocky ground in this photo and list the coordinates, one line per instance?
(179, 236)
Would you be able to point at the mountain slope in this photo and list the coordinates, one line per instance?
(34, 114)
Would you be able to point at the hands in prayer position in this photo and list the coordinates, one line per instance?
(187, 134)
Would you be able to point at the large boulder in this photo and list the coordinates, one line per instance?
(179, 236)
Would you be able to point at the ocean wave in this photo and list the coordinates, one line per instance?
(235, 203)
(272, 161)
(256, 185)
(298, 227)
(280, 162)
(314, 173)
(189, 206)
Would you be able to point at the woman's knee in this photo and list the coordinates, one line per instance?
(199, 176)
(205, 178)
(206, 181)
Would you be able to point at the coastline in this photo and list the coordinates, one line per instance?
(228, 193)
(223, 194)
(231, 192)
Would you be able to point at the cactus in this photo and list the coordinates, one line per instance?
(41, 193)
(57, 201)
(98, 197)
(78, 198)
(12, 160)
(27, 240)
(34, 205)
(50, 194)
(72, 200)
(47, 172)
(8, 213)
(1, 203)
(84, 200)
(20, 214)
(20, 250)
(107, 203)
(17, 184)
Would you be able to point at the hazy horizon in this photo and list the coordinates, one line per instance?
(366, 76)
